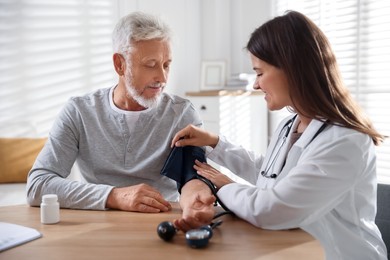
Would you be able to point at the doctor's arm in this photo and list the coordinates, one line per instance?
(195, 136)
(310, 190)
(216, 177)
(237, 159)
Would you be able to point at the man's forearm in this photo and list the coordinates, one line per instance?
(197, 203)
(191, 189)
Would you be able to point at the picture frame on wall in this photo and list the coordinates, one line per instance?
(213, 75)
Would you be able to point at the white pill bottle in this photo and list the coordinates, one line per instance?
(50, 209)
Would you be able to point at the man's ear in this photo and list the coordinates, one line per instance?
(119, 64)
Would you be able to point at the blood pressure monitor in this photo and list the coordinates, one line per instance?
(196, 238)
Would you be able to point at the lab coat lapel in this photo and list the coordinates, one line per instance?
(309, 133)
(298, 148)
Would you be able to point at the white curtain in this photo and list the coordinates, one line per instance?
(50, 50)
(359, 32)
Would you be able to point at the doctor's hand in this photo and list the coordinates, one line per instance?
(216, 177)
(141, 198)
(195, 136)
(197, 204)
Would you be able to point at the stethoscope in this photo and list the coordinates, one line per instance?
(282, 137)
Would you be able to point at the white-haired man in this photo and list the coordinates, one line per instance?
(120, 136)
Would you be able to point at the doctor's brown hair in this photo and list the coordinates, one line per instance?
(294, 44)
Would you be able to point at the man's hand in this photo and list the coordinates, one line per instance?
(197, 203)
(141, 197)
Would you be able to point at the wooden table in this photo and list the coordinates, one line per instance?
(83, 234)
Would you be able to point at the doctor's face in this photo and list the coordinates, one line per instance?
(273, 82)
(147, 71)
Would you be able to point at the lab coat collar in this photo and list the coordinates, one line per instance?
(292, 156)
(307, 136)
(296, 149)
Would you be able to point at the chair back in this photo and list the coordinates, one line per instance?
(17, 156)
(383, 213)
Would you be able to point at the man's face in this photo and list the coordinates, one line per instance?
(147, 73)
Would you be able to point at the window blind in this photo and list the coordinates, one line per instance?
(359, 31)
(50, 50)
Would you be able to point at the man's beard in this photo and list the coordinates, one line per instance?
(134, 94)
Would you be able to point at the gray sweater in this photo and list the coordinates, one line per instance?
(88, 131)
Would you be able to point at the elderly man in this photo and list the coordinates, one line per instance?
(120, 136)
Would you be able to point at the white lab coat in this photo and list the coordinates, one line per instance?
(327, 187)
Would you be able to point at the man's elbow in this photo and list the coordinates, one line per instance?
(32, 192)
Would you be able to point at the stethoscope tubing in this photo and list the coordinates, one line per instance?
(272, 159)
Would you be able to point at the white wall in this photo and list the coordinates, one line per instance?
(205, 30)
(226, 28)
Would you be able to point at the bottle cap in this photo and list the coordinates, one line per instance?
(49, 198)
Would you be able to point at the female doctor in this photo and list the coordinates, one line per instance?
(319, 172)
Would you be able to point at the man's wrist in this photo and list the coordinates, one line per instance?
(111, 201)
(194, 185)
(191, 190)
(209, 184)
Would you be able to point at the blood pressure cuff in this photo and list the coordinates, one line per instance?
(179, 165)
